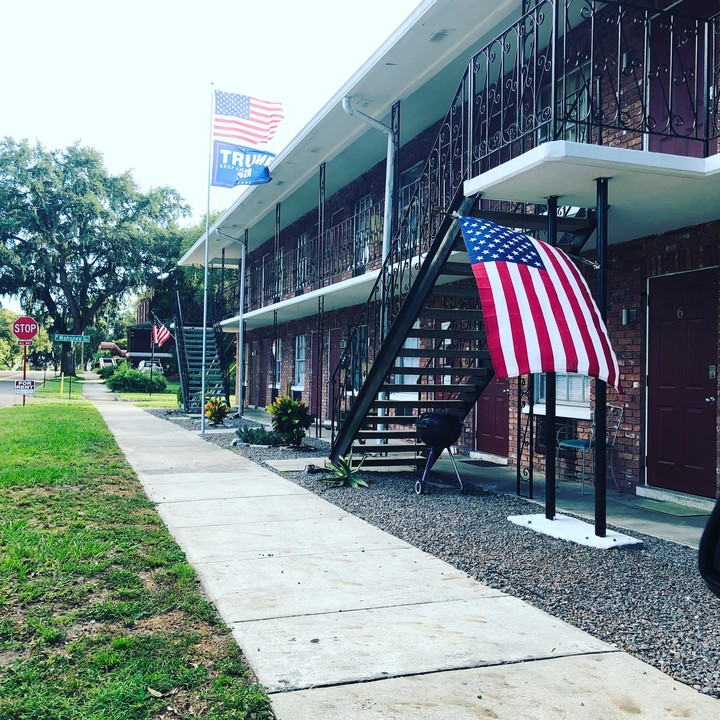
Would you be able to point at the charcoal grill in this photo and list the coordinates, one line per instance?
(439, 431)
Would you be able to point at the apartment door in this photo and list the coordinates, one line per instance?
(493, 418)
(682, 382)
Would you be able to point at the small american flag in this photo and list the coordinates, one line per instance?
(244, 118)
(159, 333)
(538, 310)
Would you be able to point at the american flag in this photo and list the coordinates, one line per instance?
(245, 118)
(159, 333)
(539, 313)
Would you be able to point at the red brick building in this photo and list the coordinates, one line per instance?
(357, 295)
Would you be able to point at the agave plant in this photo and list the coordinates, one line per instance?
(345, 474)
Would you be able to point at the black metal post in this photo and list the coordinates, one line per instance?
(600, 454)
(550, 391)
(318, 372)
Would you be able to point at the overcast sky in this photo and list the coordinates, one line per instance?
(133, 79)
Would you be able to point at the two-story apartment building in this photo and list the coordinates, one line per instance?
(592, 124)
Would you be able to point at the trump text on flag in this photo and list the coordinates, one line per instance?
(235, 164)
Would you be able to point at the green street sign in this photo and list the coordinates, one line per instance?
(58, 337)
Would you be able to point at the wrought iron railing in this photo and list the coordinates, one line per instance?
(439, 186)
(591, 71)
(596, 71)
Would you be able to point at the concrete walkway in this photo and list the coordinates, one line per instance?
(340, 620)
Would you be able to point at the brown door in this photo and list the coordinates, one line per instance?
(492, 418)
(682, 384)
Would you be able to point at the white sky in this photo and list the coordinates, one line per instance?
(133, 79)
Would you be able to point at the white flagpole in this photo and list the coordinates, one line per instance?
(205, 281)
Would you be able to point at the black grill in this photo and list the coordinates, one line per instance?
(439, 431)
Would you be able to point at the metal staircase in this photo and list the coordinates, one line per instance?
(419, 344)
(189, 343)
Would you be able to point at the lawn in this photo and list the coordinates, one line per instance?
(100, 614)
(68, 388)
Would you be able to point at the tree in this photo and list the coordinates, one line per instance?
(74, 238)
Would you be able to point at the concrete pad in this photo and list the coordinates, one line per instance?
(361, 645)
(333, 582)
(235, 511)
(574, 530)
(298, 537)
(610, 686)
(208, 485)
(298, 464)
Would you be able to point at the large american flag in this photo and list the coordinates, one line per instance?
(539, 313)
(244, 118)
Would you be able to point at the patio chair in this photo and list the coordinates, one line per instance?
(585, 445)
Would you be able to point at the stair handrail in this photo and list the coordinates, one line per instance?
(440, 185)
(181, 353)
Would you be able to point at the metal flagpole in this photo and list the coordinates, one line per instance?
(205, 280)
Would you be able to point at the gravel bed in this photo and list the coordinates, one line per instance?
(651, 603)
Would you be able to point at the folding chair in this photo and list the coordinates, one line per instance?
(585, 445)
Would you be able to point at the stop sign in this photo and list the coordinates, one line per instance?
(25, 328)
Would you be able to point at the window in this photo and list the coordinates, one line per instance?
(571, 389)
(299, 379)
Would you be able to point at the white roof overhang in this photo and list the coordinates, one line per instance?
(648, 192)
(420, 65)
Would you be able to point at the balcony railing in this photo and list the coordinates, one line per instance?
(596, 71)
(591, 71)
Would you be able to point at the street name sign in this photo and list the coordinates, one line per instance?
(58, 337)
(24, 387)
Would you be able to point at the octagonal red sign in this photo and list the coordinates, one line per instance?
(25, 328)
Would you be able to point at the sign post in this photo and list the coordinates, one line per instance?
(25, 329)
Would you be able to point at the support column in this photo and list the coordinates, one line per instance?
(600, 451)
(550, 391)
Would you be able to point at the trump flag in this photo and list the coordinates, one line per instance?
(239, 165)
(538, 310)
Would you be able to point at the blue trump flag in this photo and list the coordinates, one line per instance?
(239, 165)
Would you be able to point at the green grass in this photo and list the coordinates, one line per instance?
(52, 387)
(165, 399)
(100, 614)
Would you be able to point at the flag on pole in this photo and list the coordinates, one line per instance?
(244, 118)
(239, 165)
(160, 333)
(538, 310)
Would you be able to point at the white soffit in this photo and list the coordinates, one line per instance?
(649, 193)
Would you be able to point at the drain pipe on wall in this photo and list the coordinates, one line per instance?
(241, 307)
(389, 170)
(388, 215)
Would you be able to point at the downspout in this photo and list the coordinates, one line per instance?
(388, 210)
(389, 170)
(241, 308)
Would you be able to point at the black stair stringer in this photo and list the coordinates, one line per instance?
(436, 257)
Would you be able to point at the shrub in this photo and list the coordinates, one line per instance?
(216, 410)
(345, 474)
(107, 371)
(290, 419)
(125, 379)
(258, 436)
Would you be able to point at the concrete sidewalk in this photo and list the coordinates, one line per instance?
(341, 620)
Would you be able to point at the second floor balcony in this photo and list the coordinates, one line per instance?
(598, 73)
